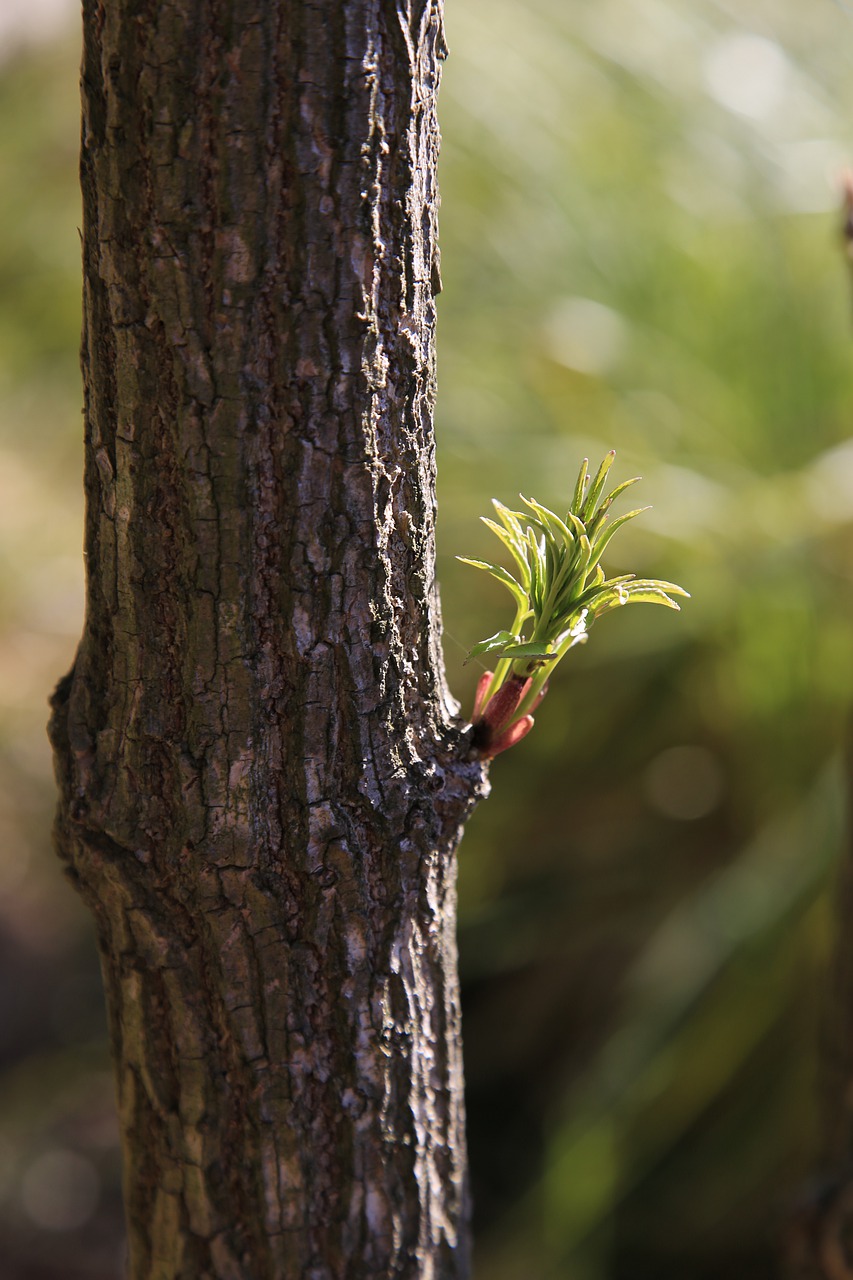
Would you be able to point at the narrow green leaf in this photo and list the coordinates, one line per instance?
(608, 502)
(608, 600)
(569, 584)
(589, 597)
(511, 519)
(596, 487)
(649, 595)
(578, 526)
(498, 641)
(660, 585)
(575, 634)
(537, 569)
(503, 576)
(580, 487)
(550, 521)
(557, 582)
(628, 595)
(606, 534)
(527, 649)
(508, 539)
(517, 550)
(620, 488)
(584, 555)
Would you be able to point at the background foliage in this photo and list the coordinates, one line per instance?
(640, 250)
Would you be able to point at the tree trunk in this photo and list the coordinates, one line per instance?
(262, 784)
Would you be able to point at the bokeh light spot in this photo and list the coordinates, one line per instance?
(585, 335)
(747, 74)
(60, 1190)
(684, 783)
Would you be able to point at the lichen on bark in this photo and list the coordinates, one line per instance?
(262, 782)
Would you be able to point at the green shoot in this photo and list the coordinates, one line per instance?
(559, 589)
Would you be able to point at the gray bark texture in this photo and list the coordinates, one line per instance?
(262, 783)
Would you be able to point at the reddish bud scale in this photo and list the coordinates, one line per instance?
(496, 728)
(484, 684)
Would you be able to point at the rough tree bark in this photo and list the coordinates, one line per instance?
(262, 783)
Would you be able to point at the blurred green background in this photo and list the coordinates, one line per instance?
(641, 250)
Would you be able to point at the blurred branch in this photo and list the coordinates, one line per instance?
(837, 1049)
(817, 1242)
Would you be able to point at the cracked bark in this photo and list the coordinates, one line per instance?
(261, 780)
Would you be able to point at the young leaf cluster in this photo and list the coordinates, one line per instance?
(558, 584)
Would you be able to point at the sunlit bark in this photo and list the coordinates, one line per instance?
(262, 784)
